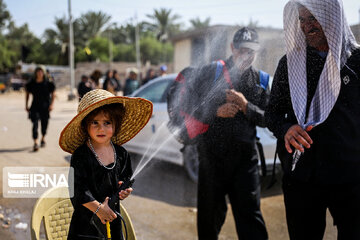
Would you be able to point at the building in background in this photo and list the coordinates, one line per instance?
(202, 46)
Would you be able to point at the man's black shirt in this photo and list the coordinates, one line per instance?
(241, 128)
(334, 155)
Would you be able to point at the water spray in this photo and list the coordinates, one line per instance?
(146, 158)
(144, 161)
(243, 63)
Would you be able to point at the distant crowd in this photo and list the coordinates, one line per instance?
(111, 81)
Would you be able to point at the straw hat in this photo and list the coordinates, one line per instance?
(137, 114)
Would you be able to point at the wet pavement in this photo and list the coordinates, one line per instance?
(163, 205)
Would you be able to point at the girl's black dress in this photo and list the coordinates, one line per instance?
(94, 182)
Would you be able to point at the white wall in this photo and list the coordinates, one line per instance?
(182, 54)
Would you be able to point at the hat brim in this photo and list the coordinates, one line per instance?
(252, 45)
(138, 112)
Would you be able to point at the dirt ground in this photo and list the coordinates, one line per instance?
(163, 205)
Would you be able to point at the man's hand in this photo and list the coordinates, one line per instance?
(238, 98)
(296, 136)
(228, 110)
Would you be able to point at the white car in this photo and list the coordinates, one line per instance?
(156, 141)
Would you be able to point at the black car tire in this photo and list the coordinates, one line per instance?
(191, 161)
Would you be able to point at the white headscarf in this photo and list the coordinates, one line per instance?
(341, 41)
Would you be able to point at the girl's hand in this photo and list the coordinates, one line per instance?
(124, 193)
(105, 213)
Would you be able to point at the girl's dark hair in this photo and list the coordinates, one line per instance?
(115, 111)
(35, 72)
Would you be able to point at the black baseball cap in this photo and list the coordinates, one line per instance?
(246, 38)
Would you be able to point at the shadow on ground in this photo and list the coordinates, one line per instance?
(169, 183)
(15, 150)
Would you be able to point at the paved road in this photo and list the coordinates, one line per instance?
(163, 203)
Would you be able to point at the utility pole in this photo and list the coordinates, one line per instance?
(71, 95)
(137, 46)
(110, 49)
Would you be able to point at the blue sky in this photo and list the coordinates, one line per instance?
(40, 14)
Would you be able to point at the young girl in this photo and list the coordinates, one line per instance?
(93, 136)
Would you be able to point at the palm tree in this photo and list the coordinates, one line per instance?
(4, 15)
(118, 34)
(197, 23)
(164, 23)
(22, 40)
(126, 33)
(86, 27)
(60, 36)
(91, 24)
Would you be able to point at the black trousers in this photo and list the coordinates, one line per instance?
(81, 228)
(233, 173)
(306, 205)
(35, 116)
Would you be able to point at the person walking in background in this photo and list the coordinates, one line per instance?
(84, 86)
(95, 77)
(116, 77)
(150, 75)
(163, 70)
(43, 95)
(49, 76)
(107, 85)
(131, 84)
(314, 113)
(110, 83)
(233, 105)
